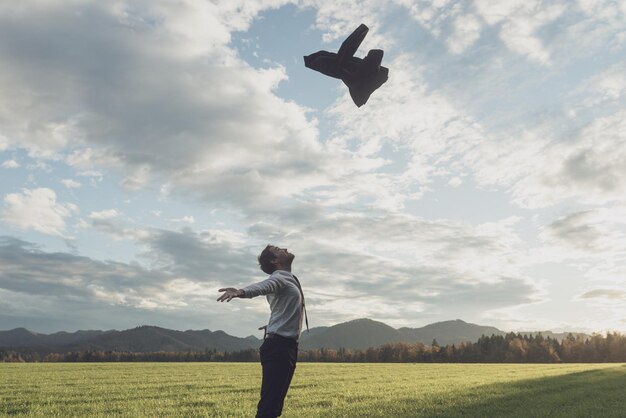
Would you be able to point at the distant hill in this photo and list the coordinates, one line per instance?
(21, 337)
(364, 333)
(139, 339)
(448, 332)
(357, 334)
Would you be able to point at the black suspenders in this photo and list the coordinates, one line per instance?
(306, 319)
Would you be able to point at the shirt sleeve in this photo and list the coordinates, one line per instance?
(270, 285)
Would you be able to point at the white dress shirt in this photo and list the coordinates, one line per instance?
(283, 295)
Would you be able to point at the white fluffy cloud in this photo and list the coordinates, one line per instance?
(606, 19)
(460, 24)
(10, 164)
(541, 168)
(340, 18)
(71, 184)
(467, 29)
(37, 209)
(155, 92)
(607, 88)
(519, 21)
(104, 214)
(184, 219)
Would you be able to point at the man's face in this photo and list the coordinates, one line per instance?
(283, 257)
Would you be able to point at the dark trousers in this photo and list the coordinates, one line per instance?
(278, 359)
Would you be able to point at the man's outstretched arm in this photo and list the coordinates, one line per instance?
(270, 285)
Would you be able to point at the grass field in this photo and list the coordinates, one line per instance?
(318, 390)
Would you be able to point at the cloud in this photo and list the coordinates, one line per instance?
(50, 288)
(185, 219)
(201, 256)
(604, 24)
(94, 176)
(37, 209)
(453, 21)
(561, 131)
(541, 167)
(451, 131)
(203, 121)
(115, 224)
(592, 169)
(608, 294)
(594, 231)
(593, 240)
(421, 265)
(607, 303)
(202, 124)
(10, 164)
(432, 15)
(519, 22)
(604, 90)
(467, 30)
(340, 18)
(611, 83)
(104, 214)
(455, 181)
(71, 184)
(29, 270)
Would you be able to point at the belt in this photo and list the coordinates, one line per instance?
(271, 335)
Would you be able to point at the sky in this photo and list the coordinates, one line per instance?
(150, 149)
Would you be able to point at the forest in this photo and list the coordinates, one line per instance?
(510, 348)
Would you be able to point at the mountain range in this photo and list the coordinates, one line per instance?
(357, 334)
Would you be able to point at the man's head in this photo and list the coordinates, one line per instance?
(273, 258)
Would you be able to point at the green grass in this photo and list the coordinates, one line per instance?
(318, 390)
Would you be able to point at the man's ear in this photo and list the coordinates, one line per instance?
(274, 261)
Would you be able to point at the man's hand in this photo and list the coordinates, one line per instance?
(229, 293)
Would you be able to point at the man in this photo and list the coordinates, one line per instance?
(279, 351)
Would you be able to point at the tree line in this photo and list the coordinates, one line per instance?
(510, 348)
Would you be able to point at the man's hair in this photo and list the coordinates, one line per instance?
(265, 260)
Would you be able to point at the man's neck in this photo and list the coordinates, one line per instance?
(284, 268)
